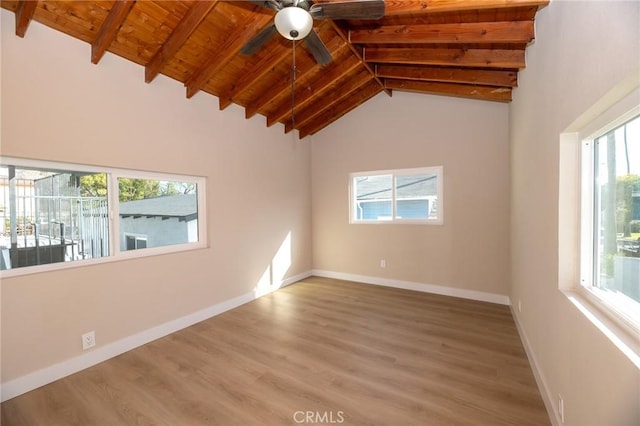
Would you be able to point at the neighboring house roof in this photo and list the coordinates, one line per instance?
(183, 206)
(379, 187)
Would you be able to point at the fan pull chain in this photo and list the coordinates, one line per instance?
(293, 87)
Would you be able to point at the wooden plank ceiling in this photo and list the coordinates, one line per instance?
(462, 48)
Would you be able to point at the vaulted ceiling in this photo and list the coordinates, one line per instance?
(462, 48)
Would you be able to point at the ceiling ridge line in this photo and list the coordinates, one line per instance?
(279, 113)
(360, 58)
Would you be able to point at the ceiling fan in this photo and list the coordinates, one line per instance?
(294, 21)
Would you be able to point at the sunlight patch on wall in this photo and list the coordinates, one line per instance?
(273, 276)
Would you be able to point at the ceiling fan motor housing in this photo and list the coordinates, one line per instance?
(293, 23)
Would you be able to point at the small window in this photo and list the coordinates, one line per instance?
(135, 242)
(610, 260)
(397, 196)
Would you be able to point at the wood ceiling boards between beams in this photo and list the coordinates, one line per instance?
(326, 82)
(109, 29)
(230, 50)
(316, 88)
(474, 32)
(178, 37)
(410, 7)
(490, 58)
(330, 115)
(449, 75)
(283, 87)
(338, 93)
(254, 75)
(500, 94)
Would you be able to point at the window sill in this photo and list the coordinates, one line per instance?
(124, 255)
(399, 222)
(623, 335)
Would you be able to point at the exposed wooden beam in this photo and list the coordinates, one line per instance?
(407, 7)
(304, 71)
(485, 77)
(315, 89)
(490, 58)
(24, 15)
(486, 93)
(231, 48)
(336, 93)
(330, 115)
(253, 75)
(472, 32)
(109, 29)
(358, 54)
(178, 37)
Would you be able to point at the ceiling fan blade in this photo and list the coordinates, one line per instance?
(269, 4)
(356, 9)
(259, 40)
(318, 48)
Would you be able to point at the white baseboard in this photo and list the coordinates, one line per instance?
(409, 285)
(547, 398)
(36, 379)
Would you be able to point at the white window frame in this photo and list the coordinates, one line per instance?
(115, 253)
(612, 306)
(437, 170)
(620, 104)
(136, 238)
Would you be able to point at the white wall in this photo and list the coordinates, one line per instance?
(582, 50)
(56, 105)
(467, 256)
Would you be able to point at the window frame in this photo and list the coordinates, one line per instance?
(135, 238)
(394, 173)
(115, 252)
(587, 286)
(618, 105)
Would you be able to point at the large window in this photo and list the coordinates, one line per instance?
(397, 196)
(56, 214)
(610, 225)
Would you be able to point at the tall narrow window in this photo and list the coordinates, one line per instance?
(611, 218)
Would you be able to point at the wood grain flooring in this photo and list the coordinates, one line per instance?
(320, 351)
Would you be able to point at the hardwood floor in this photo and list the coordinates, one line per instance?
(320, 351)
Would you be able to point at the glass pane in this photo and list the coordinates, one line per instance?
(156, 213)
(617, 211)
(417, 196)
(51, 216)
(373, 197)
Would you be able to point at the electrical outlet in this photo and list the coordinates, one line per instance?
(88, 340)
(561, 408)
(383, 263)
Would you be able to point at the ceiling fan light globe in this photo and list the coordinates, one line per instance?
(293, 23)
